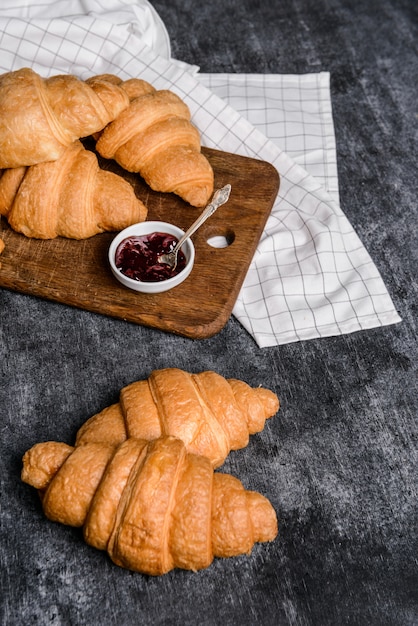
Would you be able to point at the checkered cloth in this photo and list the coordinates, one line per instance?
(310, 276)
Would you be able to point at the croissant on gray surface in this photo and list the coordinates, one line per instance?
(210, 413)
(152, 506)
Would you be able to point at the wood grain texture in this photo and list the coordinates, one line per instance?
(77, 273)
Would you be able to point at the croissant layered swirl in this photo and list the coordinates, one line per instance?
(154, 137)
(209, 413)
(69, 197)
(152, 506)
(146, 131)
(41, 117)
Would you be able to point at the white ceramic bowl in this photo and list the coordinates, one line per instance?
(146, 228)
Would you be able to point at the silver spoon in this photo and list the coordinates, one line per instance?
(220, 197)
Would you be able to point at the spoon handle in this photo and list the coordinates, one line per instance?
(219, 197)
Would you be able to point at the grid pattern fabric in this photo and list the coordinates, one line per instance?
(293, 111)
(311, 276)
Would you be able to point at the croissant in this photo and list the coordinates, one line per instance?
(70, 197)
(40, 117)
(152, 506)
(210, 414)
(155, 138)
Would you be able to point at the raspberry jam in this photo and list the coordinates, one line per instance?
(136, 257)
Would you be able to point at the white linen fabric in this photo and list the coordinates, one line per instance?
(294, 111)
(136, 16)
(311, 276)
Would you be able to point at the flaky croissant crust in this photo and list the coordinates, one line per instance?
(152, 506)
(40, 117)
(69, 197)
(154, 136)
(210, 413)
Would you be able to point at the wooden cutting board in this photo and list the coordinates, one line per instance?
(76, 273)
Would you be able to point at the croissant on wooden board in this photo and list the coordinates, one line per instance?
(209, 413)
(40, 117)
(154, 137)
(69, 197)
(152, 506)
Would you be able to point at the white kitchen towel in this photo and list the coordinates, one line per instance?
(135, 16)
(294, 111)
(311, 276)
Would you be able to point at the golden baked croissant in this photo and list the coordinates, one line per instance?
(155, 138)
(151, 505)
(70, 197)
(40, 117)
(212, 415)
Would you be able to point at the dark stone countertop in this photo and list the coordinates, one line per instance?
(339, 462)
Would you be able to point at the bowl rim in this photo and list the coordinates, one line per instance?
(145, 228)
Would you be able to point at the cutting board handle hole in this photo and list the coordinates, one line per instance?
(218, 239)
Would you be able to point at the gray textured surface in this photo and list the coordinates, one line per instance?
(339, 462)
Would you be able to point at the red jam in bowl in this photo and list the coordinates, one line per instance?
(136, 257)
